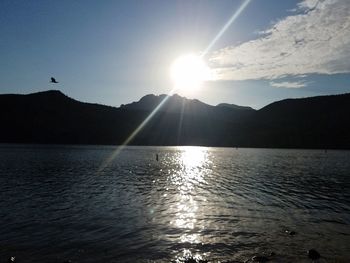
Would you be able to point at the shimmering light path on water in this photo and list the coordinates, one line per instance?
(214, 204)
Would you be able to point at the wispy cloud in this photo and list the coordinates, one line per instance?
(288, 85)
(315, 39)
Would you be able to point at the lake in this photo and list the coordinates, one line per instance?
(99, 204)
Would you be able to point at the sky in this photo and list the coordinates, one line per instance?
(115, 52)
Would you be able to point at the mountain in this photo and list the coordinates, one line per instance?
(181, 121)
(180, 105)
(234, 106)
(315, 122)
(174, 103)
(52, 117)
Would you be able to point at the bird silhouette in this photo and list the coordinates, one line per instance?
(53, 80)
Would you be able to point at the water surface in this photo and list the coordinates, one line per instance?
(216, 204)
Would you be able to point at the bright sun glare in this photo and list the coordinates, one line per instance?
(188, 72)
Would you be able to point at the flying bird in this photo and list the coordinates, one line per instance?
(53, 80)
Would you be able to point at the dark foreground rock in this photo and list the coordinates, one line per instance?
(260, 259)
(313, 254)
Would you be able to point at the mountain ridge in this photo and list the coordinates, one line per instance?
(234, 106)
(53, 117)
(151, 101)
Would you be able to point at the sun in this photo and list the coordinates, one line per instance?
(188, 72)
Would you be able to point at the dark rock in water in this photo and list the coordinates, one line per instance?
(272, 254)
(313, 254)
(290, 232)
(12, 260)
(260, 259)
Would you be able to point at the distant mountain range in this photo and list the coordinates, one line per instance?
(51, 117)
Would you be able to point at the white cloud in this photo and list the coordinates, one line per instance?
(288, 85)
(316, 39)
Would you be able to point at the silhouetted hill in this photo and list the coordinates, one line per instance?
(52, 117)
(315, 122)
(234, 106)
(174, 103)
(180, 105)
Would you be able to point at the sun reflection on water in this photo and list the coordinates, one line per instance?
(193, 157)
(190, 175)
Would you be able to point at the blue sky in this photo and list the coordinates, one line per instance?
(114, 52)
